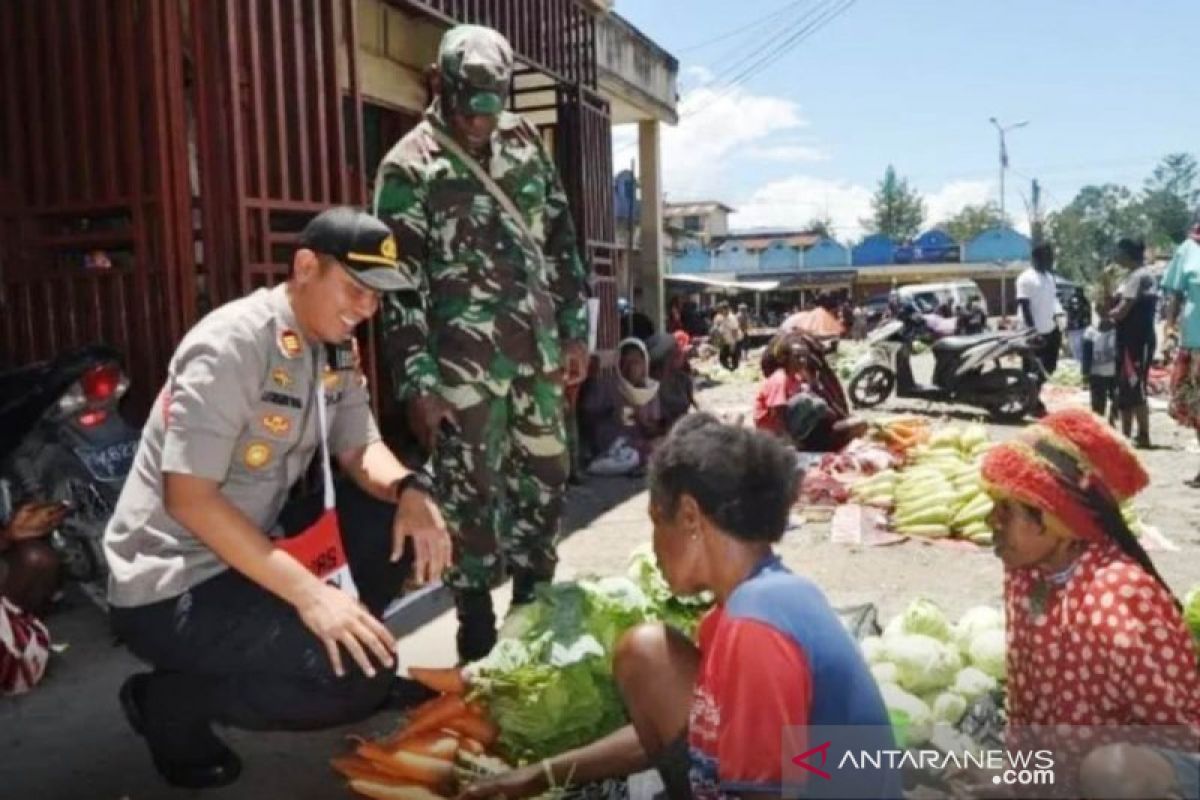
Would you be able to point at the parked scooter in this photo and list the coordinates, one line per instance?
(63, 440)
(968, 370)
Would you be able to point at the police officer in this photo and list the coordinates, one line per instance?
(494, 324)
(241, 627)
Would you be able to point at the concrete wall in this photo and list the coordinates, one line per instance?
(635, 69)
(394, 49)
(693, 259)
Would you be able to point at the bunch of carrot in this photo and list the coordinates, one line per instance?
(417, 762)
(902, 435)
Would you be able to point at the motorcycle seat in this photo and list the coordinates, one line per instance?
(956, 344)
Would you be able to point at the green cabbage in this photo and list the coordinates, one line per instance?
(548, 683)
(949, 707)
(1191, 612)
(974, 621)
(883, 672)
(872, 649)
(912, 719)
(925, 617)
(972, 683)
(987, 653)
(923, 663)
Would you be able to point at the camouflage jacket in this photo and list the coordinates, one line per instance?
(482, 305)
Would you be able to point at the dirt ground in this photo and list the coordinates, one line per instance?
(67, 740)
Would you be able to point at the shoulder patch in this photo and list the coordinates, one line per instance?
(256, 455)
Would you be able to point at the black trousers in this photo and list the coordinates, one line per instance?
(230, 652)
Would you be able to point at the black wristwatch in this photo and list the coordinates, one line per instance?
(413, 480)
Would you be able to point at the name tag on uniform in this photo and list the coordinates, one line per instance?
(280, 399)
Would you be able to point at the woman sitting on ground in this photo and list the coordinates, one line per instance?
(771, 654)
(623, 417)
(1095, 637)
(801, 398)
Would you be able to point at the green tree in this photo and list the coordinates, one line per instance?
(1085, 231)
(972, 220)
(822, 225)
(897, 210)
(1172, 192)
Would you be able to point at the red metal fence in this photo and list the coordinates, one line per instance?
(95, 230)
(158, 157)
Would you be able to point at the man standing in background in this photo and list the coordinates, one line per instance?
(1037, 299)
(493, 325)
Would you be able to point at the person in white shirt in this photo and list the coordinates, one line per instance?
(1037, 299)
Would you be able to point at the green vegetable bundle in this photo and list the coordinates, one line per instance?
(548, 683)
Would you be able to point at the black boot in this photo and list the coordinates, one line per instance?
(476, 624)
(523, 585)
(209, 763)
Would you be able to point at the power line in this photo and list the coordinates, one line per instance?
(738, 57)
(774, 55)
(760, 21)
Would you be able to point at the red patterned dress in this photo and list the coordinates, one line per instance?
(1100, 644)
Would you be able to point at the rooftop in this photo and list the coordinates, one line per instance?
(694, 207)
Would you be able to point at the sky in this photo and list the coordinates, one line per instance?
(1107, 87)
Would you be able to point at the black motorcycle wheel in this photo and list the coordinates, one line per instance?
(871, 386)
(1017, 397)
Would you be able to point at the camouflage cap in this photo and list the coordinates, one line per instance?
(476, 65)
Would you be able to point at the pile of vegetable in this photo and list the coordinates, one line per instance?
(929, 671)
(937, 493)
(902, 434)
(545, 688)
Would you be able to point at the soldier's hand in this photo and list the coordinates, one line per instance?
(426, 415)
(575, 362)
(418, 518)
(340, 621)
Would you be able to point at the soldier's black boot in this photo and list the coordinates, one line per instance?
(524, 582)
(476, 624)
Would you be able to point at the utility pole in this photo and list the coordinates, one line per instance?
(1035, 213)
(1003, 129)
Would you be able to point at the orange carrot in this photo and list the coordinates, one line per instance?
(380, 790)
(435, 716)
(474, 727)
(357, 767)
(447, 680)
(471, 745)
(408, 766)
(442, 745)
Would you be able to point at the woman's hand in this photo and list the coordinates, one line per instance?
(524, 782)
(35, 520)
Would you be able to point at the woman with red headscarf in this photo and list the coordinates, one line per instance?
(1095, 638)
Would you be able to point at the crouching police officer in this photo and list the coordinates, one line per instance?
(255, 613)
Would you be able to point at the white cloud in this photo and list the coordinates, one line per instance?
(722, 132)
(949, 200)
(788, 153)
(793, 201)
(716, 127)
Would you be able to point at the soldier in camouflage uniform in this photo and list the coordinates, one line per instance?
(493, 328)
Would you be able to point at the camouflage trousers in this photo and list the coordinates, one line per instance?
(500, 483)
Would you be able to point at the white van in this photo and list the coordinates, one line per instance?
(928, 296)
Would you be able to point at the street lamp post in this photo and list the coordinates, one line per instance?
(1003, 129)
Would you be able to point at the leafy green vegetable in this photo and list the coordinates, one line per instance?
(548, 683)
(1191, 612)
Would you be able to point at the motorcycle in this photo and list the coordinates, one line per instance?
(969, 370)
(63, 440)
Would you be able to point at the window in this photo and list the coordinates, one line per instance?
(692, 223)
